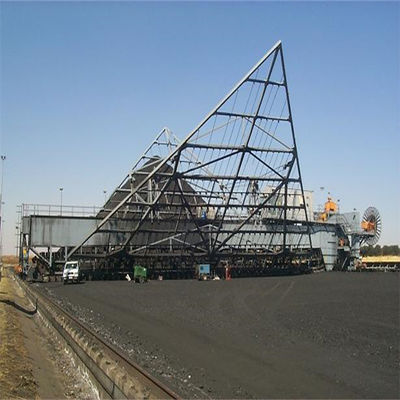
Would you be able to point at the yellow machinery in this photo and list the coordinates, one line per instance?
(368, 226)
(330, 208)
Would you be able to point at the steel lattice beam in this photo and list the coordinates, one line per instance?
(236, 171)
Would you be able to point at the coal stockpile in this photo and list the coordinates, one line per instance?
(328, 335)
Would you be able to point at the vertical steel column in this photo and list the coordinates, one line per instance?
(50, 256)
(295, 144)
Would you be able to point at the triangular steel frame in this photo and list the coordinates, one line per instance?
(234, 179)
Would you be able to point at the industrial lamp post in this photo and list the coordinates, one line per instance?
(321, 207)
(61, 192)
(17, 246)
(3, 158)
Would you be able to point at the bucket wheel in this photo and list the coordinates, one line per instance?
(371, 225)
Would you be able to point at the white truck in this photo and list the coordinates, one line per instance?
(71, 272)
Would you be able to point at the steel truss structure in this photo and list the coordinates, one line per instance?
(232, 189)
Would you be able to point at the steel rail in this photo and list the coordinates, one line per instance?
(116, 354)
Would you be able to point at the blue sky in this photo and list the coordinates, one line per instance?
(85, 87)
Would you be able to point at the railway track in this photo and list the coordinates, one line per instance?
(116, 376)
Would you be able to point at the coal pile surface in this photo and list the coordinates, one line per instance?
(327, 335)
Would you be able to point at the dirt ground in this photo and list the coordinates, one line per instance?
(327, 335)
(16, 369)
(33, 363)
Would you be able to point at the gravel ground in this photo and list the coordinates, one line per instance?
(33, 363)
(327, 335)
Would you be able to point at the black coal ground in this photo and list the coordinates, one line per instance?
(327, 335)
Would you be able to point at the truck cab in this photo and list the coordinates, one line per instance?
(71, 272)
